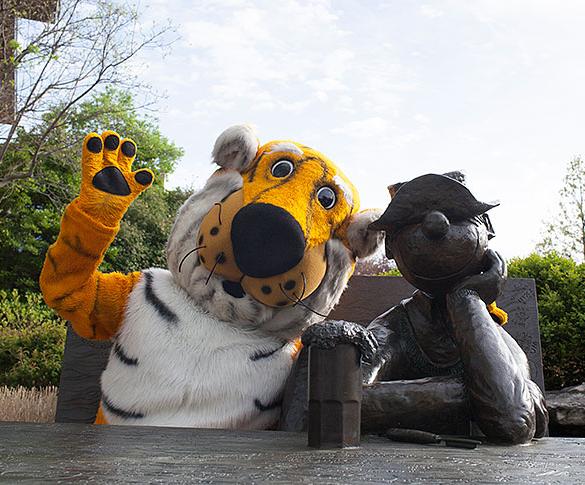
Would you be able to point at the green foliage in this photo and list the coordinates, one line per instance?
(560, 286)
(116, 110)
(565, 234)
(391, 272)
(144, 231)
(32, 339)
(30, 209)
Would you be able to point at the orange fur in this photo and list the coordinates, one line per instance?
(298, 346)
(317, 223)
(92, 301)
(100, 418)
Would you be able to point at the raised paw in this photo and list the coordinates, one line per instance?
(108, 183)
(107, 162)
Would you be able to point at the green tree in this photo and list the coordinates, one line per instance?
(30, 209)
(81, 48)
(566, 233)
(144, 231)
(560, 287)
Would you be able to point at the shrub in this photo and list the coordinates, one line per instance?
(560, 287)
(32, 340)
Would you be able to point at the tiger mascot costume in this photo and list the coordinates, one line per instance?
(264, 250)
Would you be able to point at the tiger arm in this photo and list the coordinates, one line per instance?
(71, 283)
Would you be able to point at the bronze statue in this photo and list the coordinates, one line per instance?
(442, 357)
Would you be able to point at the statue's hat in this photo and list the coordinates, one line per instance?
(412, 201)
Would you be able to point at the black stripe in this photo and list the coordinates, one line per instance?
(119, 352)
(321, 162)
(268, 407)
(54, 264)
(298, 163)
(59, 299)
(163, 310)
(78, 247)
(308, 219)
(70, 309)
(95, 309)
(252, 172)
(52, 260)
(120, 412)
(268, 189)
(263, 355)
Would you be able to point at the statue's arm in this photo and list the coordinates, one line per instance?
(496, 374)
(540, 411)
(382, 366)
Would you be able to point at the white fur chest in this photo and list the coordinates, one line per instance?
(173, 364)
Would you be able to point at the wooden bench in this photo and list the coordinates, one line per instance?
(366, 298)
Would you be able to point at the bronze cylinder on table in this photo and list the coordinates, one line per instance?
(335, 396)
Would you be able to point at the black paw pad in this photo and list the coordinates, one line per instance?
(111, 180)
(112, 142)
(144, 177)
(94, 144)
(128, 148)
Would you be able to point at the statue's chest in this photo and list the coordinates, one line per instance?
(427, 344)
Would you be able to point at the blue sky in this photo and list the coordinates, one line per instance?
(389, 90)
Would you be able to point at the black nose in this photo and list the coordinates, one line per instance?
(267, 240)
(435, 225)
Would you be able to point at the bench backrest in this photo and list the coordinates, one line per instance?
(365, 298)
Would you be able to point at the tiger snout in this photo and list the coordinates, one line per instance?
(260, 248)
(266, 240)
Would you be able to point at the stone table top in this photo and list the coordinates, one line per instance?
(108, 454)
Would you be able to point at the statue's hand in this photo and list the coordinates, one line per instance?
(488, 284)
(330, 333)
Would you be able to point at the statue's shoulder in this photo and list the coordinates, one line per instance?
(393, 317)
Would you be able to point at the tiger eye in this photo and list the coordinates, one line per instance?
(282, 168)
(326, 197)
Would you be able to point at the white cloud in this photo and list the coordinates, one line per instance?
(365, 129)
(430, 11)
(420, 118)
(389, 91)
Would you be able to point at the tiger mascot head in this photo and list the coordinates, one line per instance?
(272, 238)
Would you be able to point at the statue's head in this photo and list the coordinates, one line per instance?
(436, 231)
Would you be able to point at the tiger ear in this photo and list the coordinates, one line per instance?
(236, 148)
(361, 241)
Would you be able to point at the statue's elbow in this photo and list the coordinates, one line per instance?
(513, 429)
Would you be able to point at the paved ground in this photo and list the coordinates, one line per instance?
(106, 454)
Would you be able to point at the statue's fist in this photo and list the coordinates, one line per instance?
(488, 284)
(331, 333)
(108, 185)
